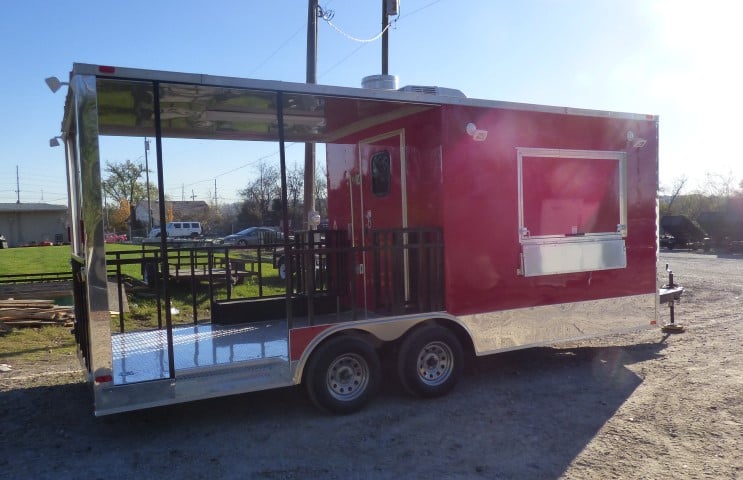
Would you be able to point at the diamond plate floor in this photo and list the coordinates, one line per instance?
(143, 356)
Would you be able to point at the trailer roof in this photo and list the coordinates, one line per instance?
(216, 107)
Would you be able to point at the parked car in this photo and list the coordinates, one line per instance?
(178, 229)
(254, 236)
(115, 237)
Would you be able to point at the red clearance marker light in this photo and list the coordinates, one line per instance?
(104, 379)
(106, 69)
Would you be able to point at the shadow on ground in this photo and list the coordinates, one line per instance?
(524, 414)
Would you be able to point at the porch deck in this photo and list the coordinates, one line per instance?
(208, 348)
(143, 356)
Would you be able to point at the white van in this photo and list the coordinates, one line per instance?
(178, 229)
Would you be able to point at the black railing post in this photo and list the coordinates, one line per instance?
(118, 288)
(194, 258)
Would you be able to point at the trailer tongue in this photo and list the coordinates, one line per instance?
(455, 227)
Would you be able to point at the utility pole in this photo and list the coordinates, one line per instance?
(389, 7)
(17, 186)
(147, 177)
(309, 148)
(385, 39)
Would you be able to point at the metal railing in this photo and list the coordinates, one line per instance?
(36, 277)
(408, 270)
(313, 274)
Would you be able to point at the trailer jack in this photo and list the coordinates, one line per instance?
(670, 294)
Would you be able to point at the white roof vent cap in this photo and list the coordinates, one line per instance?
(438, 91)
(380, 82)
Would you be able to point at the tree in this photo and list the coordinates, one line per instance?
(117, 216)
(678, 185)
(295, 195)
(122, 183)
(720, 185)
(263, 190)
(321, 192)
(249, 214)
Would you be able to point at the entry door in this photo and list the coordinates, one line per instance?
(380, 202)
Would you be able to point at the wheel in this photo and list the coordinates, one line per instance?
(149, 273)
(343, 374)
(235, 277)
(430, 361)
(242, 243)
(282, 269)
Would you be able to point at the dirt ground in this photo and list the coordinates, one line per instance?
(639, 406)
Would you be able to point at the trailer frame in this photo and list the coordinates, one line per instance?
(560, 286)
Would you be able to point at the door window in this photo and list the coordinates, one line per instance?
(380, 173)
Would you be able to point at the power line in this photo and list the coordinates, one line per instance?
(246, 165)
(419, 9)
(364, 43)
(328, 16)
(275, 52)
(343, 59)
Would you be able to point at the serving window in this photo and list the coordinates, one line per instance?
(572, 210)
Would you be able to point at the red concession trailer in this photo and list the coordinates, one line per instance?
(454, 227)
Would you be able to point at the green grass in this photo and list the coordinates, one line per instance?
(37, 345)
(49, 343)
(35, 260)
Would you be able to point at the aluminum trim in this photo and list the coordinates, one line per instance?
(545, 325)
(400, 133)
(385, 329)
(620, 156)
(335, 91)
(90, 210)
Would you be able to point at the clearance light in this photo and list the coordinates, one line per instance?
(106, 69)
(104, 379)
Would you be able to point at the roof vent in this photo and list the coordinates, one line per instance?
(438, 91)
(380, 82)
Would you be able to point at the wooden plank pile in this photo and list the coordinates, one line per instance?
(34, 313)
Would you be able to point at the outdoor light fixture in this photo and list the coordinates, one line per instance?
(54, 83)
(54, 141)
(476, 134)
(635, 141)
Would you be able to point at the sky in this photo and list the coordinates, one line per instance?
(677, 59)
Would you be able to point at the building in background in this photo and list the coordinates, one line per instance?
(174, 210)
(33, 223)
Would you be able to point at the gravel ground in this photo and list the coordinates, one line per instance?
(641, 406)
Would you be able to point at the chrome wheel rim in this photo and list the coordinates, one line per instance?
(435, 363)
(348, 377)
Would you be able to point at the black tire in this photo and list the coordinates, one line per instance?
(430, 361)
(242, 243)
(343, 375)
(236, 278)
(281, 267)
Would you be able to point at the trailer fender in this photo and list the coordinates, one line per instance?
(377, 332)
